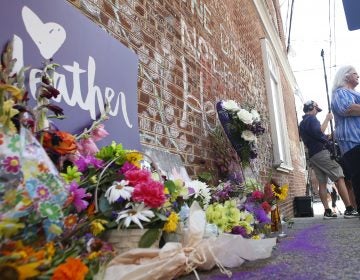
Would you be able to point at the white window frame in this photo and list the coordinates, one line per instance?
(279, 133)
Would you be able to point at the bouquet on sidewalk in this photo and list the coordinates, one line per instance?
(246, 212)
(59, 192)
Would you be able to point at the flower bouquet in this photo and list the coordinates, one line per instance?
(72, 199)
(46, 227)
(242, 128)
(124, 194)
(245, 210)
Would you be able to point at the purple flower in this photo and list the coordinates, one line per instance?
(85, 161)
(191, 191)
(261, 215)
(42, 192)
(76, 196)
(250, 205)
(239, 230)
(253, 154)
(120, 200)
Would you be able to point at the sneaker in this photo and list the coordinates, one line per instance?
(351, 214)
(328, 214)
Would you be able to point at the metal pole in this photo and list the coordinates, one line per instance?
(329, 106)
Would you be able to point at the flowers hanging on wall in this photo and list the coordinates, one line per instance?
(242, 127)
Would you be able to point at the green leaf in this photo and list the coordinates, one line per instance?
(205, 177)
(170, 185)
(149, 237)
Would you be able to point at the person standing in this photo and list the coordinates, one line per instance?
(346, 107)
(312, 133)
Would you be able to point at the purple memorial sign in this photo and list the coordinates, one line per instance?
(94, 66)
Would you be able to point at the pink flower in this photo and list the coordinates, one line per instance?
(99, 133)
(86, 146)
(11, 164)
(266, 206)
(76, 196)
(151, 193)
(257, 195)
(137, 176)
(42, 192)
(127, 166)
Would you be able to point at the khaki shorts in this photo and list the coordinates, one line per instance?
(325, 167)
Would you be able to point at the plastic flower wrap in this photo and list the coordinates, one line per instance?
(32, 191)
(242, 128)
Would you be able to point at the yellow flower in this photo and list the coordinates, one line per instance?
(50, 249)
(10, 227)
(280, 192)
(94, 255)
(97, 227)
(134, 157)
(15, 91)
(171, 223)
(29, 270)
(93, 179)
(8, 113)
(256, 237)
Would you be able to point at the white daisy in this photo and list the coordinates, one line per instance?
(200, 190)
(136, 214)
(117, 190)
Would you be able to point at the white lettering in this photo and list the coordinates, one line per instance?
(94, 97)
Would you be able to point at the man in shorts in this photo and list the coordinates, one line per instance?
(312, 133)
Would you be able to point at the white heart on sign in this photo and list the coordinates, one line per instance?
(48, 37)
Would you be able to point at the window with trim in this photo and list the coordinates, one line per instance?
(279, 133)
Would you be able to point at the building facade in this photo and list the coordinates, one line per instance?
(193, 53)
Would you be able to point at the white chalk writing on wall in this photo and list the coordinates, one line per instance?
(157, 66)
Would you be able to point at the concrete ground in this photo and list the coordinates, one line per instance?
(313, 249)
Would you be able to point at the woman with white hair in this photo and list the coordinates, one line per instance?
(345, 105)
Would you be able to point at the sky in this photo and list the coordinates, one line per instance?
(317, 25)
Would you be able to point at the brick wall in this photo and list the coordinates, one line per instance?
(193, 53)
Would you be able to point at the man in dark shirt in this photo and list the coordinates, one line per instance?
(312, 133)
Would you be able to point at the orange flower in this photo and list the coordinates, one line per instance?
(91, 209)
(59, 141)
(72, 269)
(43, 168)
(70, 220)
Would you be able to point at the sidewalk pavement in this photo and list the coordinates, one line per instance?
(313, 249)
